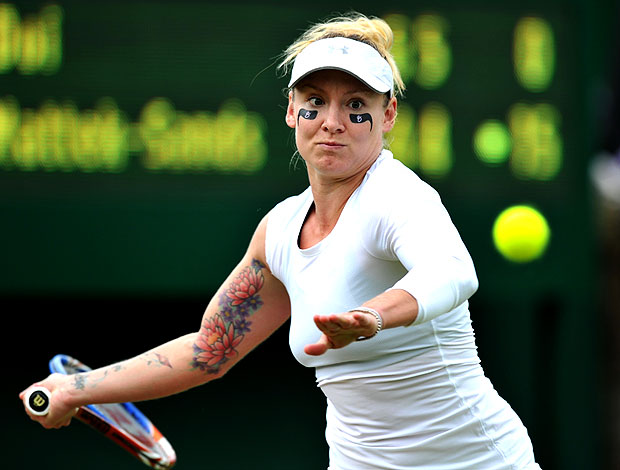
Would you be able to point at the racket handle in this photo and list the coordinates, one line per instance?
(38, 401)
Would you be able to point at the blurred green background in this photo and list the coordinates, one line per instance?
(141, 143)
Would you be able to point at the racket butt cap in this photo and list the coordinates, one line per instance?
(38, 401)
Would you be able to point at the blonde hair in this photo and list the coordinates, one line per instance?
(370, 30)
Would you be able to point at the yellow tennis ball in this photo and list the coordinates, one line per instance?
(521, 233)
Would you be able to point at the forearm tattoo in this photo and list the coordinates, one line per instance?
(156, 360)
(80, 381)
(221, 334)
(90, 379)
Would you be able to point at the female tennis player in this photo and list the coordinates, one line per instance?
(373, 274)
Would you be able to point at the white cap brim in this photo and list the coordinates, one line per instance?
(348, 55)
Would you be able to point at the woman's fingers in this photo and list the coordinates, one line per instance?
(318, 348)
(335, 322)
(339, 330)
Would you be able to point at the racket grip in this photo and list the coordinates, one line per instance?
(38, 401)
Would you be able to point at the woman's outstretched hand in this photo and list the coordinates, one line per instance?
(340, 330)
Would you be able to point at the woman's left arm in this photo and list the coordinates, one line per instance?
(440, 276)
(395, 308)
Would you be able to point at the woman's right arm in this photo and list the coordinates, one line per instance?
(249, 306)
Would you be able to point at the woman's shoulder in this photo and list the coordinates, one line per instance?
(390, 178)
(286, 209)
(294, 201)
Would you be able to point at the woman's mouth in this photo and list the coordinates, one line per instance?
(331, 144)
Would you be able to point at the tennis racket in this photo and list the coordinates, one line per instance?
(122, 423)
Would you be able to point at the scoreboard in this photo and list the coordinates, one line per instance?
(142, 142)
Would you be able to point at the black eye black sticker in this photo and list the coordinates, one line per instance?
(304, 113)
(359, 118)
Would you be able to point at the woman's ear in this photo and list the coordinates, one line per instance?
(290, 112)
(389, 115)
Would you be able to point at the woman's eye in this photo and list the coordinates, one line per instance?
(356, 104)
(315, 101)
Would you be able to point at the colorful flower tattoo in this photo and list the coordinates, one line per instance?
(220, 334)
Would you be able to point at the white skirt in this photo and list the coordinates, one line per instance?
(407, 417)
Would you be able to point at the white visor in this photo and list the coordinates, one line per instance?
(348, 55)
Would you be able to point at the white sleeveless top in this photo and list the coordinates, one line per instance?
(409, 398)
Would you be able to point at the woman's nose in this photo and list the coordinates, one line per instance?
(333, 121)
